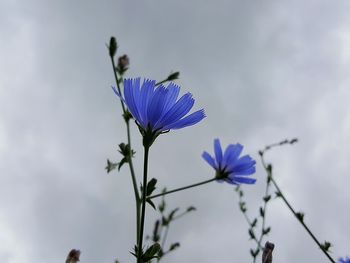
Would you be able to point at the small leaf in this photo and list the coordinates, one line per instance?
(127, 115)
(254, 253)
(267, 198)
(161, 206)
(151, 186)
(255, 221)
(266, 230)
(123, 161)
(326, 246)
(165, 221)
(191, 208)
(269, 168)
(242, 207)
(251, 233)
(257, 250)
(174, 246)
(110, 166)
(172, 213)
(294, 140)
(156, 236)
(278, 194)
(151, 252)
(300, 216)
(151, 203)
(269, 178)
(135, 252)
(262, 212)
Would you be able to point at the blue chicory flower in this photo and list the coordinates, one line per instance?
(229, 166)
(344, 260)
(157, 109)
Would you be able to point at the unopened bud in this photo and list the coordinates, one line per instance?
(173, 76)
(112, 46)
(73, 256)
(123, 63)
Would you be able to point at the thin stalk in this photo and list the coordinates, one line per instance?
(117, 82)
(301, 221)
(136, 192)
(269, 175)
(182, 188)
(250, 223)
(131, 166)
(165, 235)
(286, 201)
(161, 82)
(144, 195)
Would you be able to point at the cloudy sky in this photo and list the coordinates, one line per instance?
(262, 70)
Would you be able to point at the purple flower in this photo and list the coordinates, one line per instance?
(344, 260)
(157, 109)
(229, 166)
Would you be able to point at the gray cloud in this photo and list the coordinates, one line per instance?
(262, 71)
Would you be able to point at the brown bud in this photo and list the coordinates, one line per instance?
(73, 256)
(267, 253)
(123, 63)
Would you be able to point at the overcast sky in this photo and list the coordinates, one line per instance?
(262, 70)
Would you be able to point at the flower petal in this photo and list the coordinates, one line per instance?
(156, 105)
(146, 95)
(209, 159)
(232, 153)
(247, 171)
(242, 163)
(243, 180)
(177, 111)
(118, 94)
(173, 93)
(189, 120)
(218, 152)
(129, 85)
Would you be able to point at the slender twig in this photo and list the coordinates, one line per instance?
(131, 166)
(117, 82)
(165, 235)
(249, 221)
(172, 76)
(161, 82)
(280, 194)
(262, 233)
(301, 221)
(182, 188)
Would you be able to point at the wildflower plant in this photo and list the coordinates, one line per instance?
(157, 108)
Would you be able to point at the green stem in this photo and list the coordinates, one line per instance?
(301, 222)
(131, 166)
(165, 235)
(161, 82)
(182, 188)
(249, 223)
(117, 81)
(136, 192)
(286, 201)
(269, 175)
(144, 195)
